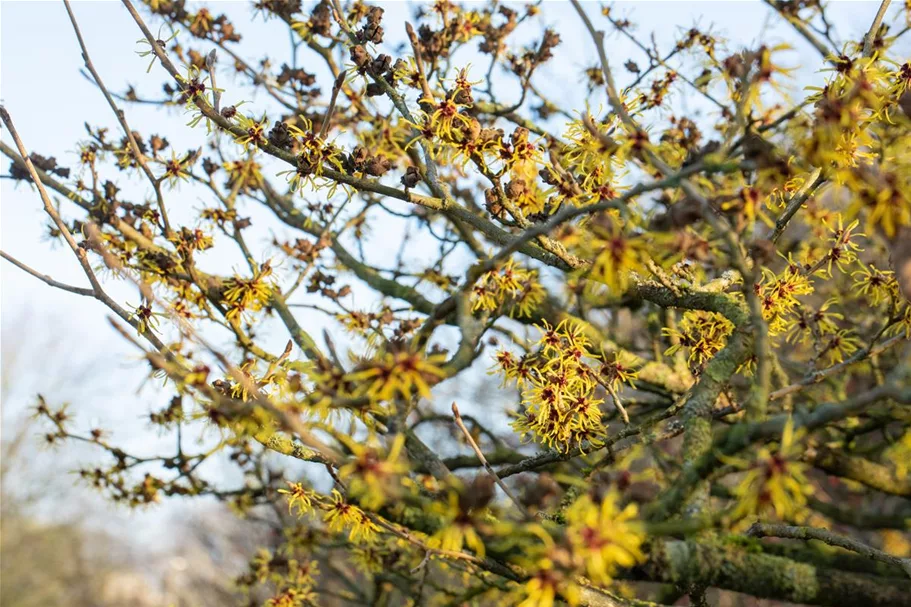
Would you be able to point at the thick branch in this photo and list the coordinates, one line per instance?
(811, 533)
(772, 577)
(863, 471)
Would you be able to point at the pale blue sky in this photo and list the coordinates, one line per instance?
(49, 101)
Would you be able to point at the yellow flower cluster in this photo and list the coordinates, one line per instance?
(559, 387)
(392, 374)
(341, 516)
(243, 295)
(400, 373)
(294, 580)
(615, 250)
(508, 287)
(858, 131)
(314, 153)
(600, 536)
(703, 334)
(778, 296)
(591, 151)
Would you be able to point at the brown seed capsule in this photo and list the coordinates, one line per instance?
(412, 177)
(377, 166)
(359, 55)
(473, 130)
(379, 65)
(516, 188)
(280, 136)
(374, 89)
(357, 159)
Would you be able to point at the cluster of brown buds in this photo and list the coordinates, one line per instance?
(360, 161)
(495, 36)
(302, 249)
(523, 65)
(372, 31)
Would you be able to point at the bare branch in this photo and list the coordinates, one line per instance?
(823, 535)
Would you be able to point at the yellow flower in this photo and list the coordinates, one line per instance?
(446, 117)
(840, 344)
(553, 573)
(298, 497)
(244, 174)
(617, 369)
(874, 284)
(843, 250)
(518, 369)
(616, 253)
(886, 197)
(604, 536)
(175, 169)
(372, 480)
(399, 373)
(508, 286)
(775, 482)
(341, 516)
(521, 156)
(254, 135)
(368, 558)
(543, 588)
(242, 295)
(458, 528)
(822, 321)
(900, 455)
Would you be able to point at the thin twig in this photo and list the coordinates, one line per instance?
(216, 93)
(793, 205)
(78, 251)
(818, 376)
(477, 450)
(121, 118)
(874, 28)
(45, 278)
(804, 31)
(419, 62)
(618, 404)
(336, 87)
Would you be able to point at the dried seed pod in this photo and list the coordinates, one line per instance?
(377, 166)
(412, 177)
(359, 56)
